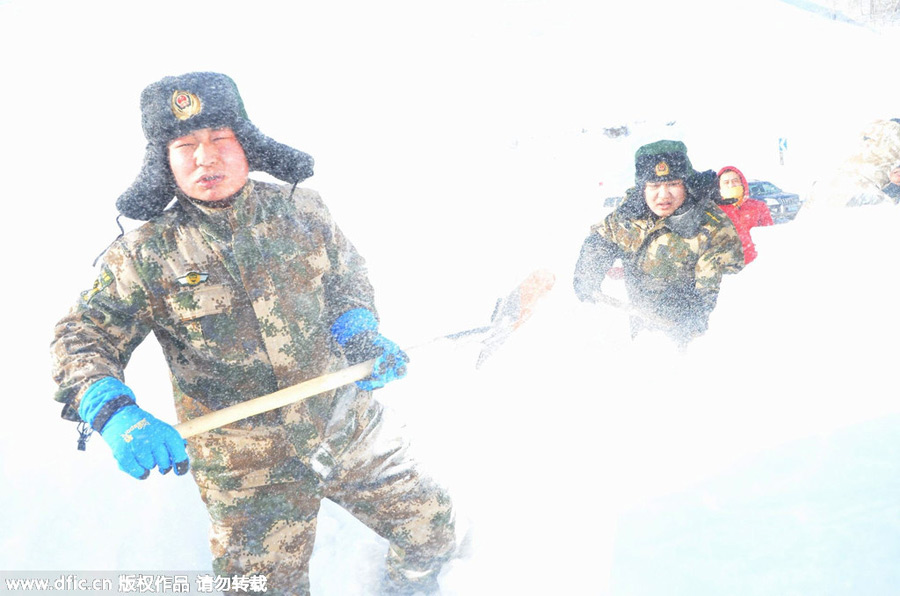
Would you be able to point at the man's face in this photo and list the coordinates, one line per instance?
(895, 176)
(664, 198)
(209, 164)
(727, 181)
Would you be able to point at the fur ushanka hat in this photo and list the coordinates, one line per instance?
(661, 161)
(175, 106)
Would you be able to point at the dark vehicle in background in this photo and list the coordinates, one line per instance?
(783, 206)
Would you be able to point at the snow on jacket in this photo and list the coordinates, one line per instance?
(745, 213)
(673, 265)
(241, 298)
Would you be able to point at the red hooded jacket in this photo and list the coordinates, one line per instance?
(745, 213)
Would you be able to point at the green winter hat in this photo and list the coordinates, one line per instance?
(175, 106)
(661, 161)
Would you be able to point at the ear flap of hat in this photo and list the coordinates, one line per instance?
(152, 190)
(266, 155)
(703, 186)
(634, 204)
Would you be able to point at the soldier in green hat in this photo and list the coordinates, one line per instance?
(674, 242)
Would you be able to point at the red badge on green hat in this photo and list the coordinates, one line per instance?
(185, 105)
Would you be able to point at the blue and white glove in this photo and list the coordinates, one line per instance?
(356, 331)
(139, 441)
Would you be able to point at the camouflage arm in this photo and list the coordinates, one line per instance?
(97, 336)
(722, 253)
(346, 281)
(598, 253)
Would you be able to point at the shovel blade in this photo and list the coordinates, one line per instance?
(513, 310)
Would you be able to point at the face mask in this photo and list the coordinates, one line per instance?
(732, 192)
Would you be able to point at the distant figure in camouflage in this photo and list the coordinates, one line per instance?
(249, 287)
(674, 242)
(860, 179)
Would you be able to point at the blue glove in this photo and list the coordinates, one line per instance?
(139, 441)
(356, 331)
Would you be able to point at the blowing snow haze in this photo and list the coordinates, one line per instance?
(461, 146)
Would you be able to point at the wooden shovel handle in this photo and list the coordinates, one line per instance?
(277, 399)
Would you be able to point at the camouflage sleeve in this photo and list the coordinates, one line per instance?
(97, 336)
(346, 281)
(721, 254)
(598, 252)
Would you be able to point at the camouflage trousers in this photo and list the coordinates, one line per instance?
(270, 530)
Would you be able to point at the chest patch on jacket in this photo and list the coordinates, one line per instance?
(192, 278)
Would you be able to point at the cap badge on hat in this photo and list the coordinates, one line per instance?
(662, 169)
(185, 105)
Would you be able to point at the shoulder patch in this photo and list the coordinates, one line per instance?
(103, 281)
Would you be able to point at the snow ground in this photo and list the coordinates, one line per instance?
(460, 147)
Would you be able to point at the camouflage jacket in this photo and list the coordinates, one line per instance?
(673, 265)
(241, 298)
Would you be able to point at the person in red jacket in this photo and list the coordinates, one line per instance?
(744, 212)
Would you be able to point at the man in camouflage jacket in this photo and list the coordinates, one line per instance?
(249, 287)
(674, 242)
